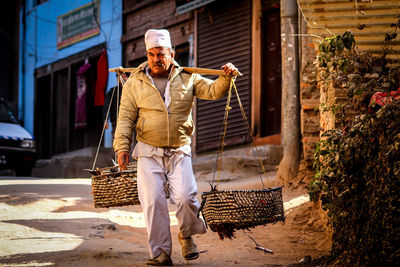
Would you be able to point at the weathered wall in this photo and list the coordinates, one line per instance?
(309, 99)
(158, 15)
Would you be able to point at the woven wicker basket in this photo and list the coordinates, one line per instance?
(227, 211)
(114, 188)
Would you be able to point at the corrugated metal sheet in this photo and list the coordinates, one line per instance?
(368, 20)
(224, 35)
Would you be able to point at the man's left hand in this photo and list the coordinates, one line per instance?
(229, 68)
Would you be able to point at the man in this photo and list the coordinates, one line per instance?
(157, 99)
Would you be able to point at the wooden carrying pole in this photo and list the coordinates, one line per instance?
(201, 71)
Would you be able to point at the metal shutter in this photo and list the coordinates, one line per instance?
(224, 35)
(369, 21)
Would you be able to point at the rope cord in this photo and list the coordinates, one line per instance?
(222, 138)
(246, 234)
(104, 128)
(257, 245)
(119, 79)
(251, 136)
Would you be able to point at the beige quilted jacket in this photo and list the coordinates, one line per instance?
(143, 107)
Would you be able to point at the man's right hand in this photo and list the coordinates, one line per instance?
(123, 159)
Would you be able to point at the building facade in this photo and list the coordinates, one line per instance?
(205, 34)
(66, 49)
(209, 34)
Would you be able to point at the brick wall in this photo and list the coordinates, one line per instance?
(309, 101)
(153, 15)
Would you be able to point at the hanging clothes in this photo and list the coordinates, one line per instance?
(101, 80)
(80, 101)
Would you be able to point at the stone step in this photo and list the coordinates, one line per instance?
(73, 164)
(241, 158)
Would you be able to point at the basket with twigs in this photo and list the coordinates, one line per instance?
(228, 211)
(112, 187)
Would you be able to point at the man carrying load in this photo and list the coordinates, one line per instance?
(157, 102)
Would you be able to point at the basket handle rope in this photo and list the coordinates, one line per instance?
(252, 136)
(119, 80)
(222, 137)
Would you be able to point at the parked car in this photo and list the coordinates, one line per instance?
(17, 146)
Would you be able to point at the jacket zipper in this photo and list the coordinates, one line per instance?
(165, 108)
(162, 101)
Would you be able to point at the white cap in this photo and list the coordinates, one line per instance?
(157, 38)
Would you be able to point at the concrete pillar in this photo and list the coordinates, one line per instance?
(288, 167)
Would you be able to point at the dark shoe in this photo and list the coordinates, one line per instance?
(162, 260)
(189, 248)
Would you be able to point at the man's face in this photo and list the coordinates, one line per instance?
(159, 59)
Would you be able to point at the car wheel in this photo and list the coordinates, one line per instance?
(23, 171)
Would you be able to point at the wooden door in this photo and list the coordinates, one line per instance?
(271, 95)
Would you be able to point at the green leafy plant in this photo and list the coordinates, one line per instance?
(331, 49)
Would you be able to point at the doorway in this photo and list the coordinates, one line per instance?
(271, 93)
(55, 106)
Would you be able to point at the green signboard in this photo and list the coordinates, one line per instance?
(78, 24)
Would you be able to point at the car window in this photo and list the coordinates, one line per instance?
(6, 115)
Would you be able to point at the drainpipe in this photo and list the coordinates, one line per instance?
(21, 91)
(289, 164)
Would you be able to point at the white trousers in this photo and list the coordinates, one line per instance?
(152, 174)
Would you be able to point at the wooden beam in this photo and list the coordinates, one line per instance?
(202, 71)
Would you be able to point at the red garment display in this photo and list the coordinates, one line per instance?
(80, 101)
(101, 81)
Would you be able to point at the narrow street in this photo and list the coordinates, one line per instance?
(52, 222)
(306, 92)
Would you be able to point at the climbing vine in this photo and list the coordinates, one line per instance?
(357, 164)
(331, 50)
